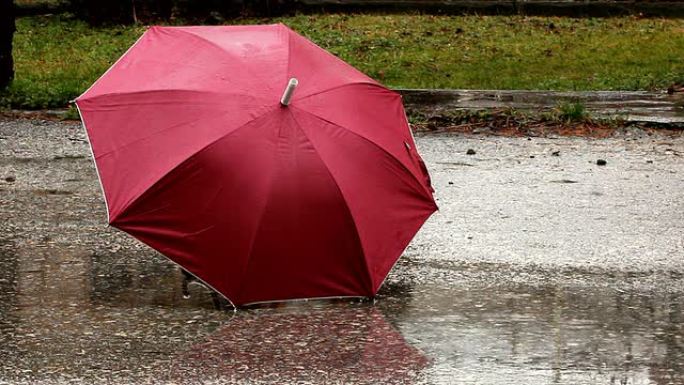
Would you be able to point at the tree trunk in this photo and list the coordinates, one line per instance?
(7, 29)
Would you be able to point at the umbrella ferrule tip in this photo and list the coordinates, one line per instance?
(289, 90)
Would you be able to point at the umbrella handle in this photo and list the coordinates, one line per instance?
(287, 95)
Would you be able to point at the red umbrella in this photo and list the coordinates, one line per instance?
(207, 152)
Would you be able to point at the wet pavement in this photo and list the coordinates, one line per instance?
(627, 106)
(538, 269)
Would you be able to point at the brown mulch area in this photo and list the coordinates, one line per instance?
(52, 115)
(507, 123)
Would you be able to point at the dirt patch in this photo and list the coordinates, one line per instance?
(51, 115)
(507, 122)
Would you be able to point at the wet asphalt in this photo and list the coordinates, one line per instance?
(541, 267)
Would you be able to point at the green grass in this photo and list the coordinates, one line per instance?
(39, 3)
(571, 112)
(57, 58)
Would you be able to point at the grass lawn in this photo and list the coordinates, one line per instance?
(57, 58)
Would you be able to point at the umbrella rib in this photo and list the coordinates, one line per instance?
(161, 90)
(346, 205)
(134, 200)
(423, 189)
(335, 59)
(252, 242)
(256, 232)
(126, 229)
(347, 85)
(289, 50)
(155, 133)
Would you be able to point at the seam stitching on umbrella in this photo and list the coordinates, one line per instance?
(132, 202)
(128, 93)
(425, 190)
(403, 251)
(347, 85)
(181, 267)
(256, 231)
(258, 106)
(92, 154)
(155, 133)
(291, 300)
(346, 205)
(338, 60)
(289, 50)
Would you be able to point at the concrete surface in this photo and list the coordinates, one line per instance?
(538, 269)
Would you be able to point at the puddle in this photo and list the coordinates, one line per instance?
(74, 315)
(547, 335)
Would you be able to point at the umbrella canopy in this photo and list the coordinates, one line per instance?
(199, 159)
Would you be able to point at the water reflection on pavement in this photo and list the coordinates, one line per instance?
(82, 303)
(75, 315)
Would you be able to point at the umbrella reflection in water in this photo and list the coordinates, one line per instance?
(338, 344)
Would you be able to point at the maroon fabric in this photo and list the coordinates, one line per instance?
(198, 159)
